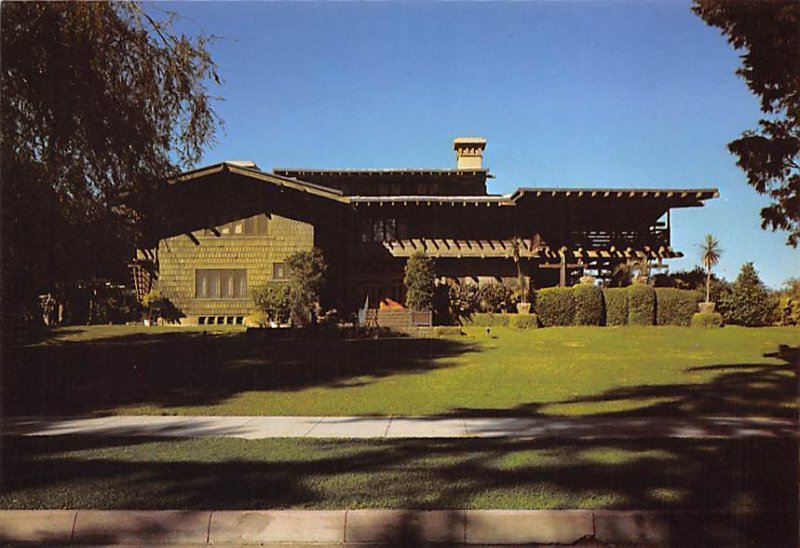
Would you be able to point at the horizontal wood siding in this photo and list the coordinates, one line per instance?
(179, 258)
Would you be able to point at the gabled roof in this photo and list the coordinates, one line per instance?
(238, 168)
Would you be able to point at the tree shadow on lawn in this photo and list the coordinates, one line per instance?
(739, 475)
(197, 369)
(740, 389)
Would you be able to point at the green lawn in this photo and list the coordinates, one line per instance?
(554, 371)
(138, 473)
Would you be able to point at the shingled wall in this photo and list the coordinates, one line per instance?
(180, 256)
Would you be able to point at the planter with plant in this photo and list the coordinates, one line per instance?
(522, 289)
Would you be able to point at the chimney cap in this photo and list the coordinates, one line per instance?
(459, 142)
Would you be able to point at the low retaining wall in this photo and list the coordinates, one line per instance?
(345, 527)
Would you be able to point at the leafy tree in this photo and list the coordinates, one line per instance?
(420, 281)
(101, 102)
(790, 301)
(767, 32)
(710, 253)
(306, 279)
(749, 302)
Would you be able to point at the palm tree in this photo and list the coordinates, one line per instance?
(710, 252)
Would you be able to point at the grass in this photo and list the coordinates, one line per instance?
(652, 371)
(138, 473)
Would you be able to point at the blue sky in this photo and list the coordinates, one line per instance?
(567, 94)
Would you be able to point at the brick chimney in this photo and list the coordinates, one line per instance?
(469, 152)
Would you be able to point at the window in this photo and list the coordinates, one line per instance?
(257, 225)
(379, 230)
(221, 283)
(280, 271)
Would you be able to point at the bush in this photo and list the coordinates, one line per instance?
(523, 321)
(488, 319)
(749, 303)
(447, 331)
(641, 305)
(555, 306)
(257, 318)
(274, 300)
(675, 306)
(157, 306)
(117, 307)
(615, 300)
(495, 297)
(463, 301)
(420, 281)
(588, 304)
(707, 319)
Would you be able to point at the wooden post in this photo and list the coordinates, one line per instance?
(562, 272)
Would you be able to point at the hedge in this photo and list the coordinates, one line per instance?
(707, 319)
(555, 306)
(616, 305)
(488, 319)
(675, 306)
(641, 305)
(588, 304)
(523, 321)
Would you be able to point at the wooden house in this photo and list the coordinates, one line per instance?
(231, 226)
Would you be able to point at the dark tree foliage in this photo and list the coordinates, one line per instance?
(101, 102)
(749, 303)
(768, 33)
(420, 281)
(306, 280)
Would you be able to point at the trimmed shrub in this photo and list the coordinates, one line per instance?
(615, 300)
(488, 319)
(447, 331)
(641, 305)
(707, 319)
(675, 306)
(523, 321)
(555, 306)
(588, 304)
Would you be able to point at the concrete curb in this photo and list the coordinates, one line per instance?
(370, 527)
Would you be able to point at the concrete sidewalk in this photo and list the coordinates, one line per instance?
(404, 527)
(261, 427)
